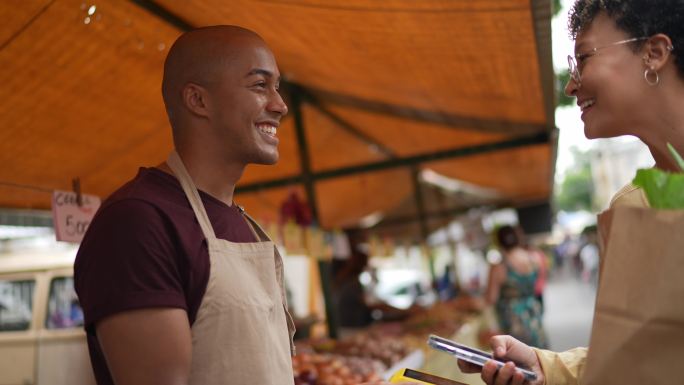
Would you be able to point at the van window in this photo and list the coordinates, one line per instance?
(64, 311)
(16, 304)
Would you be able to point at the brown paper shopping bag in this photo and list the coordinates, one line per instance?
(638, 330)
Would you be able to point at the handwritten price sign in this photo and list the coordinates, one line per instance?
(71, 220)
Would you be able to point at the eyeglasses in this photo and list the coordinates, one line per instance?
(579, 58)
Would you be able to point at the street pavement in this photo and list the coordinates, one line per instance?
(569, 310)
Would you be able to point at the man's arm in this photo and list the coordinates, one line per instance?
(147, 346)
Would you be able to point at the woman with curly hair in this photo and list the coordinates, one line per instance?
(628, 77)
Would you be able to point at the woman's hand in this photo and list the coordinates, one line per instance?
(507, 348)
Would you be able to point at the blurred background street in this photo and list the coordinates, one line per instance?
(569, 304)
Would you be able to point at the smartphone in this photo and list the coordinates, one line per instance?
(472, 355)
(410, 375)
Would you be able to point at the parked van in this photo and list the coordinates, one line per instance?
(42, 341)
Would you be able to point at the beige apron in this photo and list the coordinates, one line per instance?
(243, 332)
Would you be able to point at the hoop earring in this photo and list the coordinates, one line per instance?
(648, 75)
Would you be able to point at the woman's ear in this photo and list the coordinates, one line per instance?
(657, 51)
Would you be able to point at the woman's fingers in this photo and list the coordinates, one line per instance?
(467, 367)
(489, 372)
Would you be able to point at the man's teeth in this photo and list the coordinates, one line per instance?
(586, 104)
(267, 129)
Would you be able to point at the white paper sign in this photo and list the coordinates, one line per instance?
(71, 220)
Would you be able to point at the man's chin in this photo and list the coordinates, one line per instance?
(267, 160)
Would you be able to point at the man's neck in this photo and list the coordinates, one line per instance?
(212, 177)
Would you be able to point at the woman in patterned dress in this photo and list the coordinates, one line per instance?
(511, 289)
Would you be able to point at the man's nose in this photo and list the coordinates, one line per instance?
(277, 104)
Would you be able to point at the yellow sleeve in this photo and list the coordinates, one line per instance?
(563, 368)
(629, 195)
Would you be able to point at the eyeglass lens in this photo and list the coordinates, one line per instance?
(572, 65)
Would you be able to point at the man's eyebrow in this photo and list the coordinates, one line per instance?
(260, 71)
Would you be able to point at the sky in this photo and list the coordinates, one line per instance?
(568, 118)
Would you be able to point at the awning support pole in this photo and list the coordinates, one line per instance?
(308, 181)
(304, 153)
(420, 207)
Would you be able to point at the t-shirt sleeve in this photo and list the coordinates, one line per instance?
(128, 260)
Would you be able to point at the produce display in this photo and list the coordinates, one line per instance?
(365, 356)
(330, 369)
(374, 345)
(443, 319)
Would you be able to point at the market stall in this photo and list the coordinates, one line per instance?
(377, 94)
(388, 103)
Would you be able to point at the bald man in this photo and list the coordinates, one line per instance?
(177, 283)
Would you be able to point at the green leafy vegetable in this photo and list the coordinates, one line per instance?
(664, 190)
(676, 156)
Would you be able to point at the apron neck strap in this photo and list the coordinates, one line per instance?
(176, 164)
(256, 229)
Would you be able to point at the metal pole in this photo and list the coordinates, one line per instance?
(308, 181)
(422, 217)
(304, 154)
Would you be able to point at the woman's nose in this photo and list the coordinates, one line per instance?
(571, 87)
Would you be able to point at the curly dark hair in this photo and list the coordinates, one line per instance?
(508, 237)
(637, 18)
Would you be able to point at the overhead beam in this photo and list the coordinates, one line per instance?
(538, 138)
(164, 14)
(26, 25)
(341, 123)
(373, 144)
(441, 214)
(444, 213)
(426, 116)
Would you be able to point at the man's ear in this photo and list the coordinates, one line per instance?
(658, 50)
(196, 99)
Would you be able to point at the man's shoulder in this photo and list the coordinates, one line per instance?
(151, 197)
(150, 187)
(139, 215)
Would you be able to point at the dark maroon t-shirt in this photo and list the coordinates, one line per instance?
(145, 249)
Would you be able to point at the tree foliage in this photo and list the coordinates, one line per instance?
(576, 190)
(562, 77)
(562, 80)
(556, 7)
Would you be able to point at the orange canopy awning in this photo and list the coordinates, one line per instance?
(382, 86)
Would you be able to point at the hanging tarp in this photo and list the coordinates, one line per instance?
(382, 85)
